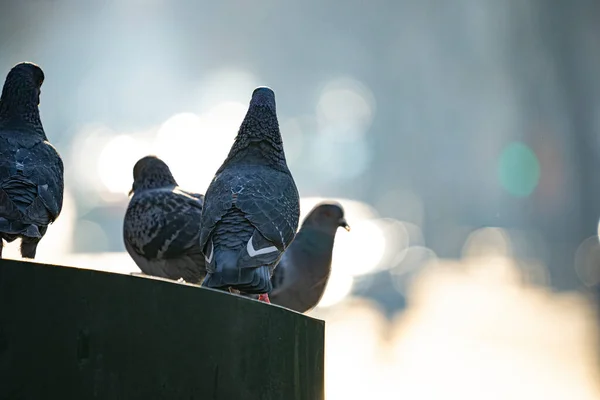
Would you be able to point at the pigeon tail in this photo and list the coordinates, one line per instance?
(229, 275)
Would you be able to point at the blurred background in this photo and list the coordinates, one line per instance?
(461, 137)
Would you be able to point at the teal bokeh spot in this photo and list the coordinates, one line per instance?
(518, 169)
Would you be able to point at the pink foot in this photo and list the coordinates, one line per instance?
(264, 297)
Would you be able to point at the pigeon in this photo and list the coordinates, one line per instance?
(162, 224)
(252, 207)
(31, 169)
(302, 274)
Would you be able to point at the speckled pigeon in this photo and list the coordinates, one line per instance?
(302, 274)
(252, 207)
(31, 170)
(162, 224)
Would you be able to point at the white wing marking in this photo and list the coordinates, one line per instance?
(253, 252)
(212, 253)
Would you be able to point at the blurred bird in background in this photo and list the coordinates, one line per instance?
(301, 276)
(161, 227)
(31, 170)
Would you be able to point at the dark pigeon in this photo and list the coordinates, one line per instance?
(162, 224)
(302, 274)
(31, 170)
(252, 206)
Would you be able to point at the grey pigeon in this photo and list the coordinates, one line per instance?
(252, 206)
(302, 274)
(31, 170)
(162, 224)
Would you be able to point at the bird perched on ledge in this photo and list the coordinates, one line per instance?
(252, 206)
(301, 276)
(31, 170)
(162, 224)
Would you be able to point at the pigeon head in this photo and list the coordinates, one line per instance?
(151, 172)
(263, 98)
(22, 80)
(326, 216)
(21, 93)
(261, 119)
(259, 139)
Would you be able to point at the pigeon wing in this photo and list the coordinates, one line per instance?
(268, 198)
(162, 224)
(271, 203)
(33, 175)
(48, 174)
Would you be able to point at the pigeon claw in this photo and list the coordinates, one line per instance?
(265, 298)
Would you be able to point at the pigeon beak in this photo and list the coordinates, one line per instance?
(130, 192)
(344, 224)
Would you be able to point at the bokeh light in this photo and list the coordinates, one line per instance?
(335, 159)
(499, 331)
(403, 204)
(413, 261)
(361, 250)
(346, 108)
(90, 236)
(292, 132)
(487, 241)
(178, 141)
(518, 169)
(195, 146)
(345, 362)
(534, 272)
(115, 262)
(354, 210)
(338, 287)
(587, 261)
(225, 84)
(116, 161)
(84, 154)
